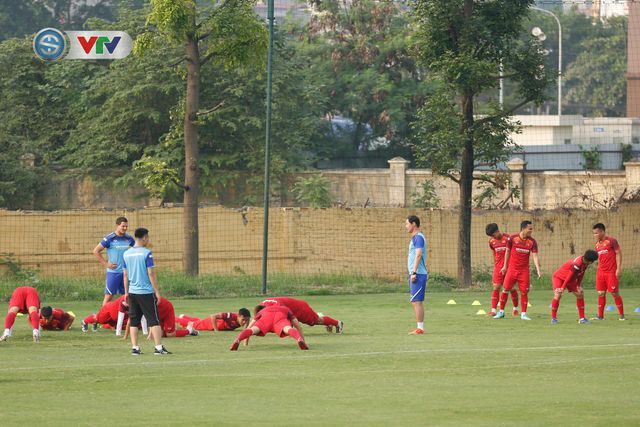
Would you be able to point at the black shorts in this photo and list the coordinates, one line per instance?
(143, 304)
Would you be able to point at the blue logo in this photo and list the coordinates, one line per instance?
(49, 44)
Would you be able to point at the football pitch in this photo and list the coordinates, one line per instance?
(467, 370)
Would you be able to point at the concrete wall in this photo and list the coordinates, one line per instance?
(303, 241)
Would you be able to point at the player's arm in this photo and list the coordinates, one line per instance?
(618, 262)
(569, 279)
(253, 322)
(69, 322)
(151, 271)
(416, 262)
(298, 326)
(215, 317)
(126, 330)
(125, 281)
(507, 254)
(536, 262)
(97, 252)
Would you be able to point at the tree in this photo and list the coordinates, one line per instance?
(19, 18)
(359, 58)
(227, 33)
(596, 79)
(463, 43)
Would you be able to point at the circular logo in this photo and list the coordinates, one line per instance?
(49, 44)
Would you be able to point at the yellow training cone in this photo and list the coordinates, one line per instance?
(528, 304)
(476, 302)
(451, 302)
(481, 311)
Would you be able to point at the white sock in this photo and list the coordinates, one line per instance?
(421, 325)
(159, 347)
(524, 313)
(36, 332)
(135, 347)
(7, 332)
(190, 329)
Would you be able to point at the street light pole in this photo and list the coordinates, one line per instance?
(559, 56)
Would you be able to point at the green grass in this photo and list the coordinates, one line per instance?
(467, 370)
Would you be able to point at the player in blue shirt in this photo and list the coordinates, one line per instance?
(416, 264)
(116, 244)
(141, 292)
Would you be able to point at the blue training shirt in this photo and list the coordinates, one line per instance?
(116, 246)
(136, 262)
(417, 242)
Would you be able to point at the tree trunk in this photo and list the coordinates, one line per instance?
(191, 171)
(466, 186)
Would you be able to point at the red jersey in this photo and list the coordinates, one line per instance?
(520, 250)
(165, 309)
(607, 249)
(499, 249)
(227, 321)
(108, 314)
(300, 308)
(59, 320)
(572, 270)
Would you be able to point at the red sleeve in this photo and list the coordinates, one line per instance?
(534, 248)
(614, 245)
(258, 316)
(509, 242)
(491, 246)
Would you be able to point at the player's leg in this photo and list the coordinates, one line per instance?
(295, 334)
(418, 289)
(114, 285)
(613, 287)
(601, 288)
(87, 321)
(524, 284)
(557, 295)
(579, 293)
(495, 298)
(507, 286)
(12, 313)
(514, 300)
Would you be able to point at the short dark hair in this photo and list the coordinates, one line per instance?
(258, 308)
(491, 229)
(414, 220)
(140, 232)
(599, 226)
(244, 312)
(590, 255)
(121, 219)
(524, 224)
(46, 311)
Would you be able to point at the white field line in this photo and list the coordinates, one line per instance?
(170, 359)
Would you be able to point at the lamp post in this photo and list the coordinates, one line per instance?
(559, 54)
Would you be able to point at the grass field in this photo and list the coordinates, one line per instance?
(467, 370)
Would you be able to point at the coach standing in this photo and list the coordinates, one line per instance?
(417, 266)
(141, 291)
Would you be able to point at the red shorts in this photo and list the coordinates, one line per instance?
(104, 318)
(557, 284)
(308, 317)
(520, 276)
(606, 281)
(274, 324)
(498, 277)
(23, 298)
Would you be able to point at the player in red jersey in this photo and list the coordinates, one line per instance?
(569, 277)
(24, 300)
(217, 322)
(498, 245)
(303, 312)
(167, 317)
(277, 319)
(516, 267)
(56, 318)
(113, 314)
(609, 270)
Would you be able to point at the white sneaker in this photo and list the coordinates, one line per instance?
(36, 335)
(4, 337)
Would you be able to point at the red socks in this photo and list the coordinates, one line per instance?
(580, 305)
(10, 320)
(602, 301)
(619, 304)
(181, 333)
(514, 298)
(295, 334)
(326, 320)
(554, 307)
(503, 300)
(34, 318)
(524, 300)
(495, 297)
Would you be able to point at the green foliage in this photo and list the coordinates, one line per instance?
(157, 175)
(425, 196)
(627, 153)
(491, 186)
(592, 158)
(313, 191)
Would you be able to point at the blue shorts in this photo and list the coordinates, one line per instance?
(115, 283)
(418, 287)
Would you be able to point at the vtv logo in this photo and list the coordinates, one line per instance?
(100, 43)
